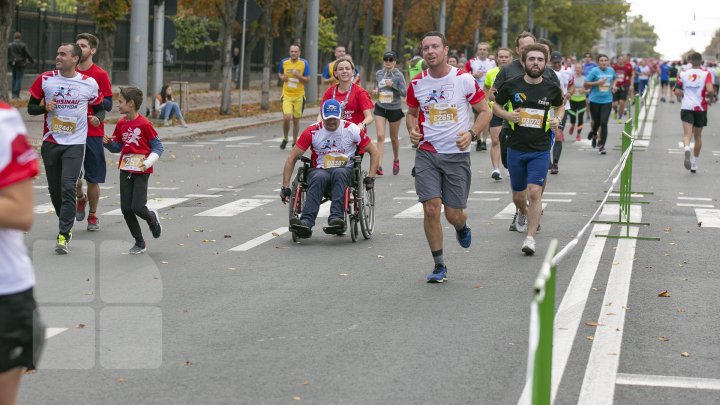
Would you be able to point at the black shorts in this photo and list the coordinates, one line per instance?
(94, 166)
(495, 121)
(390, 115)
(698, 119)
(22, 335)
(664, 82)
(620, 94)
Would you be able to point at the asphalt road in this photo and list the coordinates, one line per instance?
(211, 314)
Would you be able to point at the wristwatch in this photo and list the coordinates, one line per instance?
(473, 135)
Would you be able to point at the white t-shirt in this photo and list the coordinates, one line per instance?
(693, 83)
(566, 77)
(445, 108)
(331, 149)
(68, 124)
(18, 162)
(475, 65)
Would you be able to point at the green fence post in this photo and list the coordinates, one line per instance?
(636, 116)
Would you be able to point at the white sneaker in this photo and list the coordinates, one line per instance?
(496, 175)
(528, 246)
(693, 165)
(521, 225)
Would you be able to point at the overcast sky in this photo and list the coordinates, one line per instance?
(675, 21)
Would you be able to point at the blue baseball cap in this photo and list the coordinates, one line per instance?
(331, 109)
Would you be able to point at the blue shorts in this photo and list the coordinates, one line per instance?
(527, 168)
(94, 167)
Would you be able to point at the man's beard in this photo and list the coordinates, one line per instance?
(533, 74)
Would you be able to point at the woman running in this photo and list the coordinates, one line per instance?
(578, 103)
(602, 84)
(390, 89)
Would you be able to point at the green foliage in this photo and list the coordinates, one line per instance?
(105, 12)
(644, 38)
(192, 33)
(327, 38)
(378, 44)
(411, 47)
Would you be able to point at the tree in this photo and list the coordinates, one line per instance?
(6, 13)
(105, 12)
(228, 19)
(643, 37)
(191, 34)
(267, 54)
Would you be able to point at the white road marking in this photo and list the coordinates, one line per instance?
(695, 198)
(490, 192)
(634, 195)
(44, 208)
(169, 143)
(559, 193)
(202, 195)
(324, 211)
(560, 200)
(260, 240)
(225, 189)
(266, 196)
(601, 373)
(50, 332)
(416, 211)
(237, 146)
(709, 218)
(668, 381)
(695, 205)
(163, 188)
(154, 204)
(234, 208)
(40, 187)
(509, 211)
(237, 138)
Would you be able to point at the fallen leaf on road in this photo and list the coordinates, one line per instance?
(80, 325)
(590, 338)
(681, 310)
(296, 398)
(181, 244)
(667, 229)
(381, 257)
(616, 263)
(343, 274)
(664, 294)
(188, 363)
(685, 354)
(398, 234)
(306, 382)
(273, 234)
(230, 236)
(611, 314)
(663, 339)
(164, 262)
(593, 324)
(198, 230)
(121, 380)
(232, 268)
(478, 285)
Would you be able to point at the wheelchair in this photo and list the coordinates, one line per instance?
(359, 205)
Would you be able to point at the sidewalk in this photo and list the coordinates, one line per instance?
(199, 99)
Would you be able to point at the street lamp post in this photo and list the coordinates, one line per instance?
(44, 34)
(17, 15)
(41, 9)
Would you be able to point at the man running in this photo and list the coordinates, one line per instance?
(530, 98)
(567, 82)
(294, 73)
(504, 56)
(440, 101)
(624, 73)
(94, 165)
(478, 67)
(328, 78)
(68, 95)
(695, 85)
(665, 81)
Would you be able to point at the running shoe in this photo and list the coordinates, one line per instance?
(396, 167)
(594, 141)
(572, 129)
(438, 275)
(61, 247)
(154, 223)
(379, 171)
(693, 166)
(521, 225)
(300, 229)
(528, 246)
(80, 208)
(464, 237)
(483, 145)
(337, 222)
(687, 159)
(602, 150)
(137, 249)
(513, 224)
(554, 168)
(93, 223)
(478, 148)
(283, 144)
(496, 175)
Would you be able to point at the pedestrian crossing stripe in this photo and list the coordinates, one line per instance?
(44, 208)
(708, 218)
(235, 207)
(51, 332)
(509, 211)
(238, 138)
(154, 204)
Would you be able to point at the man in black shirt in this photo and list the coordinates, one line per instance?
(18, 57)
(534, 106)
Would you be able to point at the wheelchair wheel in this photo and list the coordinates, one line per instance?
(367, 210)
(352, 217)
(297, 201)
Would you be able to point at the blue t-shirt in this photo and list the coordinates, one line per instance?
(587, 67)
(665, 72)
(601, 94)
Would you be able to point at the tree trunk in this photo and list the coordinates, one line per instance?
(400, 29)
(227, 30)
(6, 13)
(346, 26)
(365, 58)
(267, 55)
(252, 38)
(300, 23)
(106, 51)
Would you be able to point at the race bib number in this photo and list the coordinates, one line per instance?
(605, 86)
(293, 83)
(386, 97)
(133, 162)
(443, 114)
(621, 77)
(335, 160)
(60, 125)
(531, 117)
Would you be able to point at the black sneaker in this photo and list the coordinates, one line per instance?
(137, 249)
(337, 223)
(483, 146)
(478, 148)
(300, 229)
(154, 223)
(602, 150)
(513, 224)
(283, 144)
(554, 168)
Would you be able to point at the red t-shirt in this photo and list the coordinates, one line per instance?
(357, 102)
(103, 81)
(623, 73)
(135, 137)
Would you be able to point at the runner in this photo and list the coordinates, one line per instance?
(416, 66)
(602, 84)
(673, 75)
(454, 61)
(665, 81)
(390, 89)
(439, 101)
(694, 84)
(139, 147)
(578, 103)
(355, 101)
(644, 72)
(478, 67)
(68, 95)
(504, 56)
(624, 73)
(22, 335)
(94, 166)
(529, 99)
(294, 72)
(328, 77)
(566, 78)
(588, 64)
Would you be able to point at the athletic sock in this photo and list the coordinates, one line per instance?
(438, 257)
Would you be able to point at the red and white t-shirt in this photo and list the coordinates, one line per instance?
(332, 149)
(68, 124)
(445, 106)
(353, 104)
(103, 81)
(566, 78)
(135, 137)
(475, 65)
(623, 74)
(694, 82)
(18, 162)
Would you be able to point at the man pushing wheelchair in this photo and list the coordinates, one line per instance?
(333, 170)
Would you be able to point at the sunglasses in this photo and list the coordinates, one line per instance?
(389, 59)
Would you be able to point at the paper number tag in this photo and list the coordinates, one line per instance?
(443, 114)
(133, 162)
(333, 160)
(531, 117)
(60, 125)
(386, 97)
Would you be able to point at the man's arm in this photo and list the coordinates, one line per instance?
(374, 158)
(16, 205)
(411, 122)
(294, 155)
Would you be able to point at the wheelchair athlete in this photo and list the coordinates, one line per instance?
(333, 143)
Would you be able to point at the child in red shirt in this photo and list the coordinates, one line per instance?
(136, 140)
